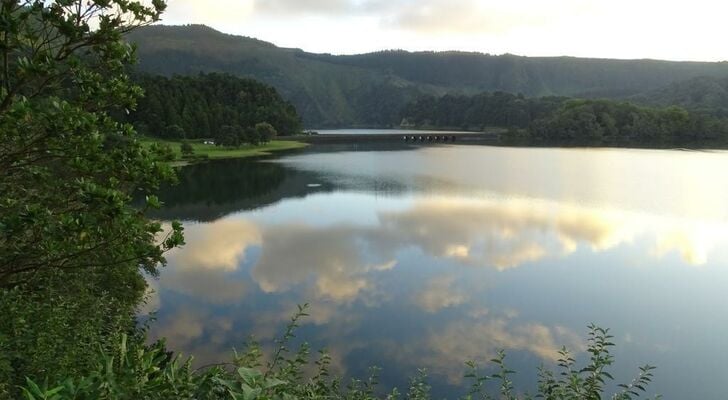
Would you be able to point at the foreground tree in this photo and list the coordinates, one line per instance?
(70, 239)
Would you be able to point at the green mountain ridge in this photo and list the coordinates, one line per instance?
(370, 90)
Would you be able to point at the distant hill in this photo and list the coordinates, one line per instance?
(704, 94)
(371, 89)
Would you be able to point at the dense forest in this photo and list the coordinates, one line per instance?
(369, 90)
(208, 105)
(604, 121)
(479, 111)
(561, 119)
(704, 94)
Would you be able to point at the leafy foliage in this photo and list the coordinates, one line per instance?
(71, 243)
(134, 371)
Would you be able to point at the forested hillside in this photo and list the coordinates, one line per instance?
(612, 122)
(708, 95)
(200, 106)
(325, 94)
(371, 89)
(478, 111)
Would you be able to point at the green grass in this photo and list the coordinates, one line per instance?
(212, 152)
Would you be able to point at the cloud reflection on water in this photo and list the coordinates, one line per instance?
(217, 246)
(481, 340)
(330, 258)
(337, 261)
(342, 268)
(432, 262)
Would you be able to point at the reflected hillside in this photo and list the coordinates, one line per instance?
(208, 191)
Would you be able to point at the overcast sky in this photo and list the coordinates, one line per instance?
(666, 29)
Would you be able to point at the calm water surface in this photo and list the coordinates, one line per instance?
(431, 256)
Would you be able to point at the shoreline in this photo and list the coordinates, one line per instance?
(208, 152)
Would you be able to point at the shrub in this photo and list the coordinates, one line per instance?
(186, 149)
(266, 132)
(137, 371)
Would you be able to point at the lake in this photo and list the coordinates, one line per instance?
(431, 256)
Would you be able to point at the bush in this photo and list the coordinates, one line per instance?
(135, 371)
(174, 132)
(266, 132)
(165, 152)
(186, 149)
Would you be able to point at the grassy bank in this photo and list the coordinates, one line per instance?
(204, 151)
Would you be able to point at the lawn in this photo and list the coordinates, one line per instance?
(210, 151)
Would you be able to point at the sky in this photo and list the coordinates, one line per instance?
(667, 29)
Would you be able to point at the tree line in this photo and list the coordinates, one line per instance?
(479, 111)
(561, 119)
(232, 110)
(604, 121)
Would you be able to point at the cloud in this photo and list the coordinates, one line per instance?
(199, 12)
(328, 259)
(191, 331)
(508, 233)
(502, 234)
(204, 268)
(485, 16)
(435, 16)
(439, 294)
(216, 246)
(479, 339)
(326, 7)
(181, 328)
(340, 262)
(692, 241)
